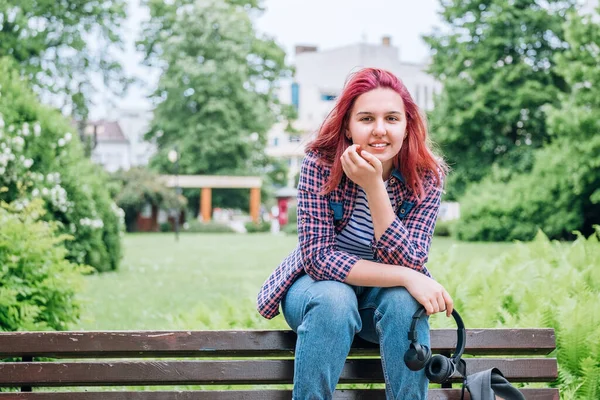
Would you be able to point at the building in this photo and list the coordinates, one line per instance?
(135, 123)
(319, 79)
(119, 143)
(110, 147)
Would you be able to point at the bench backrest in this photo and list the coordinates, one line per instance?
(208, 358)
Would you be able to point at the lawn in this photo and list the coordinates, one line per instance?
(205, 281)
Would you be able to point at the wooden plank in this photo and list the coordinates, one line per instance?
(358, 394)
(128, 373)
(132, 344)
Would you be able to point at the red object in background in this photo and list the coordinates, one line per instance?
(282, 202)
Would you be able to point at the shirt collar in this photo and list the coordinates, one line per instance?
(398, 175)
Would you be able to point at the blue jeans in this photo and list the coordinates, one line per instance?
(327, 314)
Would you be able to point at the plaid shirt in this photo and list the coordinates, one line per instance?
(321, 217)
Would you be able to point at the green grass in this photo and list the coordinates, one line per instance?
(205, 281)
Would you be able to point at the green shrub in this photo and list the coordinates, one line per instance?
(444, 228)
(557, 196)
(41, 158)
(290, 229)
(165, 227)
(37, 282)
(195, 226)
(293, 214)
(263, 226)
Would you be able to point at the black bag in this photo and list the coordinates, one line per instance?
(488, 384)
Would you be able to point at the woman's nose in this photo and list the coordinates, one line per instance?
(379, 129)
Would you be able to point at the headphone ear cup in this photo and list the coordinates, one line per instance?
(439, 369)
(417, 356)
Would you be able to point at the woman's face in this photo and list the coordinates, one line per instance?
(378, 124)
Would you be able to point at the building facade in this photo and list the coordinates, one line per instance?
(319, 79)
(119, 143)
(135, 122)
(110, 147)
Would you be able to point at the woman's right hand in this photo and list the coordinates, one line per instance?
(429, 293)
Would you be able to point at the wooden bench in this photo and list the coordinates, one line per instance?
(129, 358)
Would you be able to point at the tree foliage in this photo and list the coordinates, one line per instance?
(496, 64)
(58, 44)
(140, 186)
(215, 99)
(561, 193)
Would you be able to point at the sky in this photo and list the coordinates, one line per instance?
(324, 23)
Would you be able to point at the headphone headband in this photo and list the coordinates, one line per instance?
(460, 332)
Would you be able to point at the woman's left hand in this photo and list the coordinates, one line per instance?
(361, 166)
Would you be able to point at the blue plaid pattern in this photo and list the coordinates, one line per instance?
(406, 242)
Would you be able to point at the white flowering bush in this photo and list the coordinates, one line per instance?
(41, 157)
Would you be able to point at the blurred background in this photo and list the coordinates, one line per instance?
(150, 150)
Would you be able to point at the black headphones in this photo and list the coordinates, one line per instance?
(438, 368)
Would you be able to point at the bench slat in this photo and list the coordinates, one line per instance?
(127, 373)
(246, 343)
(357, 394)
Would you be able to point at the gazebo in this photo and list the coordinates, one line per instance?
(207, 182)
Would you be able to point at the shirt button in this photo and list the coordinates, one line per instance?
(402, 210)
(392, 180)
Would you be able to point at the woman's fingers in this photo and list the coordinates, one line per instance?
(438, 303)
(441, 303)
(357, 159)
(449, 303)
(428, 305)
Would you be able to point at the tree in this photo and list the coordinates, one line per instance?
(497, 69)
(576, 121)
(140, 186)
(215, 99)
(52, 42)
(561, 193)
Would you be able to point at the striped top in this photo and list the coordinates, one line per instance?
(357, 237)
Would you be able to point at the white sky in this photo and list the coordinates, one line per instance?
(324, 23)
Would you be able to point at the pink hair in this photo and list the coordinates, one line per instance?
(414, 161)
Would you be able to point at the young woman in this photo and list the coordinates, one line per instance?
(368, 199)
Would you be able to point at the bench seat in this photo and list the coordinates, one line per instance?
(233, 358)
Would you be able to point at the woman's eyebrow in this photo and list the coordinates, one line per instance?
(370, 113)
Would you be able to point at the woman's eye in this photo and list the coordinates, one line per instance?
(366, 119)
(393, 118)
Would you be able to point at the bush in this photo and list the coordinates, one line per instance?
(37, 283)
(263, 226)
(195, 226)
(290, 229)
(444, 228)
(293, 214)
(41, 158)
(557, 196)
(165, 227)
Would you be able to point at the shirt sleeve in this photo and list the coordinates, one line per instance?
(316, 233)
(407, 242)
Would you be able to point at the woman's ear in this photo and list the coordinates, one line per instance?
(348, 135)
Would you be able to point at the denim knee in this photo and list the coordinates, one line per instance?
(330, 303)
(396, 300)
